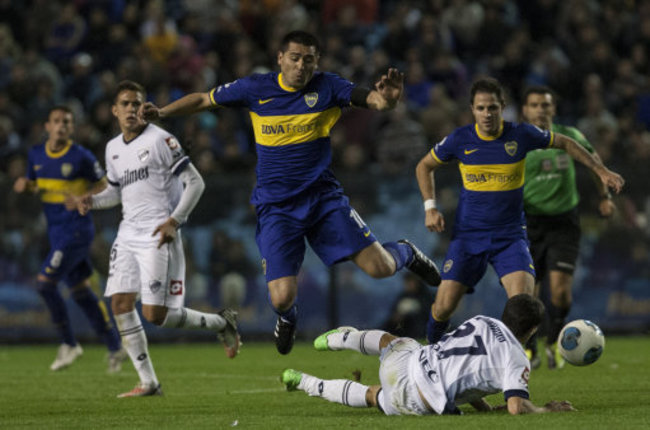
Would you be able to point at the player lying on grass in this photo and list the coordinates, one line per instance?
(483, 356)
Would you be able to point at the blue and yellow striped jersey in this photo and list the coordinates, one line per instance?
(70, 171)
(492, 171)
(291, 127)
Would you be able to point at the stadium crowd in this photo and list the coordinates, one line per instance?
(594, 54)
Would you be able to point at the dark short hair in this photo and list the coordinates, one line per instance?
(538, 89)
(487, 85)
(127, 85)
(300, 37)
(521, 313)
(62, 108)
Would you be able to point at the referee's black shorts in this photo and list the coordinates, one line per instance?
(554, 242)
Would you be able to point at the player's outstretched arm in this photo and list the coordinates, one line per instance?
(187, 105)
(611, 179)
(519, 405)
(387, 92)
(433, 219)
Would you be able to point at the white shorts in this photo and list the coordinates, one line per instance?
(138, 266)
(399, 395)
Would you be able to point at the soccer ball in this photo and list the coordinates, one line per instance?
(581, 342)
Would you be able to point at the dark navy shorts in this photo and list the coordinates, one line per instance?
(325, 218)
(68, 262)
(466, 261)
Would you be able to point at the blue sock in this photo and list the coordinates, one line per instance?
(401, 252)
(97, 314)
(435, 329)
(56, 305)
(290, 315)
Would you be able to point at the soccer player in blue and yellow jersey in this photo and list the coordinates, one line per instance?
(55, 169)
(297, 196)
(490, 223)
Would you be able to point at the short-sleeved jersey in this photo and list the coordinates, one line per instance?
(479, 358)
(69, 171)
(146, 170)
(551, 177)
(492, 171)
(291, 127)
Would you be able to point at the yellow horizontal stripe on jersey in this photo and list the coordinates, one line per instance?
(281, 130)
(493, 177)
(54, 190)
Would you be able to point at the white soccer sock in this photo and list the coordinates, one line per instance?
(134, 341)
(341, 391)
(364, 341)
(189, 318)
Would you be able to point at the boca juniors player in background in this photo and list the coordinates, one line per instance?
(55, 169)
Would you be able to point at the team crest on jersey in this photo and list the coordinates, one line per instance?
(511, 147)
(66, 169)
(448, 265)
(154, 286)
(143, 154)
(311, 99)
(172, 142)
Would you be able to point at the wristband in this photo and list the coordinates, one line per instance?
(429, 204)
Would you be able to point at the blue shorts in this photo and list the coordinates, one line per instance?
(325, 218)
(68, 262)
(466, 260)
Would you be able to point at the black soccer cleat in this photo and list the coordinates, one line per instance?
(423, 266)
(285, 334)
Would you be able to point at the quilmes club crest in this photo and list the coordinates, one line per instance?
(511, 147)
(311, 99)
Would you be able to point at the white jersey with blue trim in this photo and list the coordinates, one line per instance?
(146, 171)
(480, 357)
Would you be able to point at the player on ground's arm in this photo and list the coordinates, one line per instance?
(553, 225)
(158, 187)
(297, 196)
(483, 356)
(490, 224)
(56, 168)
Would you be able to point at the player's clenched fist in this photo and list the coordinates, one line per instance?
(149, 112)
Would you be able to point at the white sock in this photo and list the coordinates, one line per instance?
(134, 341)
(341, 391)
(364, 341)
(189, 318)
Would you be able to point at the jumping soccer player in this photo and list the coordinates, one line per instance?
(297, 196)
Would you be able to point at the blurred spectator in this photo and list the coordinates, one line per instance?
(65, 35)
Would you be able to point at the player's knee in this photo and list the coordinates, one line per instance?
(122, 304)
(283, 302)
(155, 316)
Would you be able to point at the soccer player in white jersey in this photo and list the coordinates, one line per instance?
(158, 187)
(483, 356)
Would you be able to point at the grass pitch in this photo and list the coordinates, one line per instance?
(203, 389)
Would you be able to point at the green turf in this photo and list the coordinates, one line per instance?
(203, 389)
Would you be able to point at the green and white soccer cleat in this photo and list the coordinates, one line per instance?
(321, 343)
(291, 378)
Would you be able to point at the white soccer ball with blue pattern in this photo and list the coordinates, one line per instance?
(581, 342)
